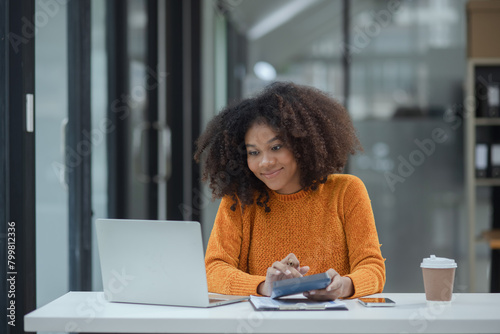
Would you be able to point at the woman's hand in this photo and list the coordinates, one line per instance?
(289, 267)
(340, 287)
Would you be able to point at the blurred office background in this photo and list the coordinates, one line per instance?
(401, 74)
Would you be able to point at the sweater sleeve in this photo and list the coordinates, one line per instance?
(367, 267)
(223, 254)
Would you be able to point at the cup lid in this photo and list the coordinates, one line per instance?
(438, 262)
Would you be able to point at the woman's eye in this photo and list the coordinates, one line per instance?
(252, 152)
(275, 148)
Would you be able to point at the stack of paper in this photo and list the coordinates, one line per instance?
(293, 304)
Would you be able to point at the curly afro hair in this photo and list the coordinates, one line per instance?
(313, 125)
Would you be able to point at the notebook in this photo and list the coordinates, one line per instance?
(295, 303)
(155, 262)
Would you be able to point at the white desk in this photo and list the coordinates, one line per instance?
(89, 312)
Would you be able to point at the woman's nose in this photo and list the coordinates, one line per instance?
(267, 160)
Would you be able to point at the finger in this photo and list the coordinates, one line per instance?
(303, 270)
(320, 295)
(313, 294)
(291, 272)
(281, 267)
(291, 260)
(271, 272)
(332, 273)
(294, 272)
(336, 284)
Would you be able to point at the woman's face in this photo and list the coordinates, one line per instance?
(270, 160)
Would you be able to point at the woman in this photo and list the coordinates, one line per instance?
(275, 160)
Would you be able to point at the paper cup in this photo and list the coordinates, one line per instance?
(439, 276)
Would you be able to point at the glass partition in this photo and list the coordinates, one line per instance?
(406, 62)
(99, 127)
(51, 105)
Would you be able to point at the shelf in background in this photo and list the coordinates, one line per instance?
(492, 237)
(485, 121)
(488, 182)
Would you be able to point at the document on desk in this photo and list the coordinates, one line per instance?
(294, 304)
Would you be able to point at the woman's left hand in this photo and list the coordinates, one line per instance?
(339, 287)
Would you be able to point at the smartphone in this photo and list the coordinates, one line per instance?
(300, 284)
(376, 302)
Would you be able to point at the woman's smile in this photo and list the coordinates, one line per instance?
(272, 174)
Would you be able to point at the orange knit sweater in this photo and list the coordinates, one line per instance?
(331, 227)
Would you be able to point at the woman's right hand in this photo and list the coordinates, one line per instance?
(289, 267)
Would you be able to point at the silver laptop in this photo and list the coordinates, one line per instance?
(155, 262)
